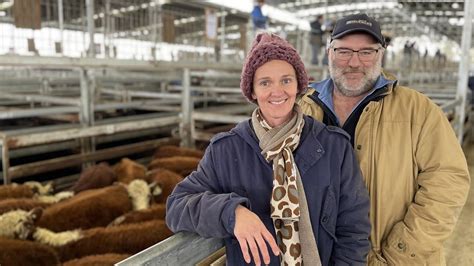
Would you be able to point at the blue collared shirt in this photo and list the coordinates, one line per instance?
(325, 89)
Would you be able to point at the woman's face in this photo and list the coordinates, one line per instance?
(275, 87)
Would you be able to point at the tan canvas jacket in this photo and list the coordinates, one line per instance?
(416, 174)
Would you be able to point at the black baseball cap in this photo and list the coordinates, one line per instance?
(358, 23)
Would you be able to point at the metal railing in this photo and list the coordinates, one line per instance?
(180, 249)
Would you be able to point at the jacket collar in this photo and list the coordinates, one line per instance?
(309, 150)
(324, 89)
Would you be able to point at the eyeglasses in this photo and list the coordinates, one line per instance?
(365, 55)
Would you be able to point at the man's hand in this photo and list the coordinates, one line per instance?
(252, 234)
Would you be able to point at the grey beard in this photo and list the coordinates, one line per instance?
(371, 78)
(354, 93)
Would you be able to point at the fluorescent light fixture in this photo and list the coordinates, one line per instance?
(347, 7)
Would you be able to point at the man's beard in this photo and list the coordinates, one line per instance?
(365, 84)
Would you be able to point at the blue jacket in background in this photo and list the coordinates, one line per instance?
(259, 20)
(234, 172)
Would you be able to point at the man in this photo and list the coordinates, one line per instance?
(412, 163)
(259, 20)
(316, 39)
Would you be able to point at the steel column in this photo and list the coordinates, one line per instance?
(186, 125)
(5, 160)
(86, 114)
(90, 27)
(464, 68)
(222, 39)
(61, 24)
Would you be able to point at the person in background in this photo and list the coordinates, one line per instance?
(280, 188)
(259, 20)
(409, 51)
(327, 28)
(412, 163)
(425, 58)
(388, 40)
(316, 39)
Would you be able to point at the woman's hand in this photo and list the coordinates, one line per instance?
(252, 234)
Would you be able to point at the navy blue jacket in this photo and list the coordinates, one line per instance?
(259, 20)
(234, 172)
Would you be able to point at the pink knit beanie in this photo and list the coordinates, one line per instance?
(267, 47)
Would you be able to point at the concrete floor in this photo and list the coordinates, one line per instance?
(459, 248)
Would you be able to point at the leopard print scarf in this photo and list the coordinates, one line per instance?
(277, 145)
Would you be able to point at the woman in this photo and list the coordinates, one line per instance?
(279, 177)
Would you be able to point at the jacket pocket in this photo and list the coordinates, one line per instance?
(328, 215)
(401, 248)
